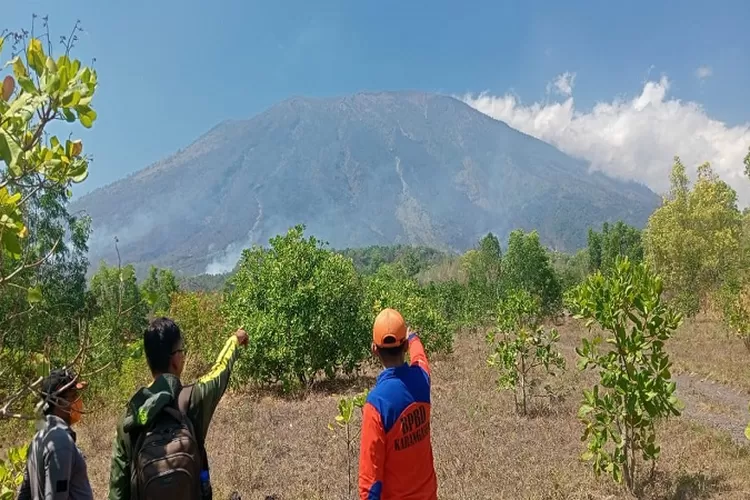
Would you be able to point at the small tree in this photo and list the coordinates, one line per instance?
(635, 388)
(200, 319)
(157, 289)
(693, 239)
(390, 287)
(483, 268)
(521, 346)
(526, 266)
(344, 421)
(302, 306)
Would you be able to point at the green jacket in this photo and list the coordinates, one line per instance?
(149, 401)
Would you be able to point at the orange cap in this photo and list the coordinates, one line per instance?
(389, 329)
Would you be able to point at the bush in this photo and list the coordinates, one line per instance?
(526, 266)
(199, 316)
(301, 305)
(521, 346)
(635, 387)
(389, 287)
(11, 472)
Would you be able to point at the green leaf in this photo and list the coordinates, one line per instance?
(70, 117)
(9, 151)
(747, 432)
(86, 115)
(11, 244)
(71, 99)
(34, 295)
(19, 70)
(27, 85)
(51, 66)
(35, 56)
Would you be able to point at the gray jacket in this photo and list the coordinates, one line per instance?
(55, 467)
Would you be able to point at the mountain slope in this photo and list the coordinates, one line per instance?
(372, 168)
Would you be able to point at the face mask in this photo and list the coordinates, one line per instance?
(76, 409)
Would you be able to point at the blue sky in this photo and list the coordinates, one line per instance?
(169, 71)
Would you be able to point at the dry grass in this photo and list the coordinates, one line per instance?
(703, 347)
(263, 445)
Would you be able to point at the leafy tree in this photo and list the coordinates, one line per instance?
(521, 345)
(635, 388)
(571, 270)
(693, 239)
(414, 259)
(450, 298)
(119, 319)
(614, 241)
(42, 247)
(199, 315)
(483, 267)
(390, 287)
(157, 289)
(527, 267)
(733, 297)
(595, 250)
(40, 91)
(301, 305)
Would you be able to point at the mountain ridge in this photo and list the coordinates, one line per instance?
(368, 168)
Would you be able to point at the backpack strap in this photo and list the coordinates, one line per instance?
(183, 404)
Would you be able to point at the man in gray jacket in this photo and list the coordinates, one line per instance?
(55, 467)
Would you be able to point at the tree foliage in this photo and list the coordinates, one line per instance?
(571, 270)
(43, 301)
(157, 290)
(199, 316)
(635, 389)
(301, 305)
(693, 239)
(527, 267)
(11, 472)
(390, 287)
(483, 268)
(414, 259)
(520, 346)
(614, 241)
(37, 91)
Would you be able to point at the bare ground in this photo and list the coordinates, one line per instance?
(262, 445)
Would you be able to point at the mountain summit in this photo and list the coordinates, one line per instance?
(370, 168)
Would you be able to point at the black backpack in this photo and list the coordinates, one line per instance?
(168, 455)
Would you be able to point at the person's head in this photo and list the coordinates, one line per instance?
(389, 338)
(61, 395)
(164, 347)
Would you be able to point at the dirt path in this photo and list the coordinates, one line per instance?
(715, 405)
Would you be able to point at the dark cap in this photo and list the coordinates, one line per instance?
(59, 379)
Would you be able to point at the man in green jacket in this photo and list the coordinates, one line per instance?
(165, 353)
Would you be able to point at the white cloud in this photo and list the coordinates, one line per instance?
(563, 84)
(635, 137)
(704, 72)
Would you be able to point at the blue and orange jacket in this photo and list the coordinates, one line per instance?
(395, 458)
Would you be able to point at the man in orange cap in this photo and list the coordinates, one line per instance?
(395, 458)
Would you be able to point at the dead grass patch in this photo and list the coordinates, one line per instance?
(264, 445)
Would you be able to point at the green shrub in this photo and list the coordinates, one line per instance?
(635, 389)
(301, 305)
(521, 346)
(391, 288)
(11, 472)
